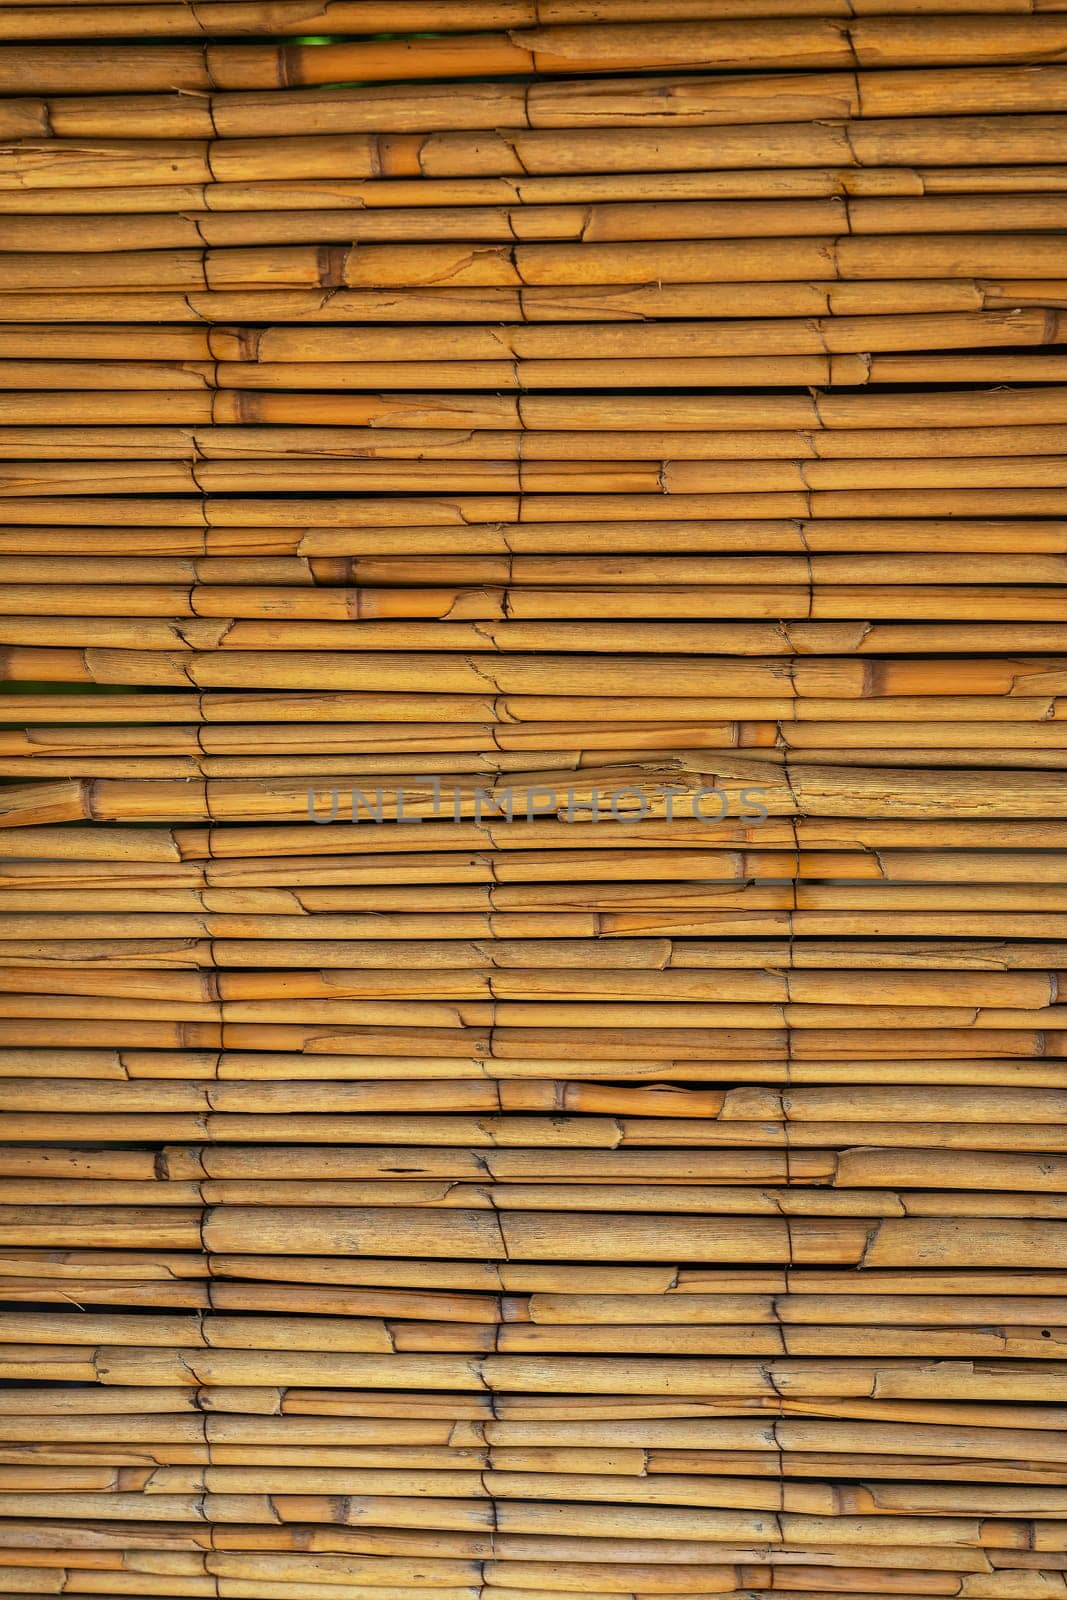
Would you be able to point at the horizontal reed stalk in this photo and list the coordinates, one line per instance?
(426, 106)
(330, 552)
(299, 607)
(313, 582)
(1042, 750)
(592, 341)
(655, 220)
(644, 956)
(917, 412)
(328, 514)
(518, 722)
(779, 456)
(327, 880)
(535, 304)
(1025, 139)
(191, 355)
(808, 791)
(130, 845)
(215, 654)
(92, 20)
(720, 46)
(683, 371)
(374, 194)
(1020, 990)
(373, 266)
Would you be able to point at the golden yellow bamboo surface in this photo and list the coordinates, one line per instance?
(533, 917)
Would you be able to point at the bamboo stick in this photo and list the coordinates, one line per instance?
(295, 611)
(325, 749)
(531, 375)
(505, 549)
(1017, 990)
(1043, 750)
(1034, 255)
(745, 46)
(94, 21)
(331, 514)
(562, 426)
(426, 105)
(254, 843)
(1014, 139)
(537, 304)
(91, 351)
(660, 220)
(296, 580)
(81, 727)
(353, 195)
(568, 454)
(590, 341)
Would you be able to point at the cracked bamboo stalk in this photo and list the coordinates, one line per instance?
(254, 843)
(377, 553)
(594, 223)
(700, 1530)
(719, 1014)
(232, 516)
(258, 1066)
(509, 374)
(253, 1066)
(809, 790)
(317, 882)
(485, 1130)
(184, 722)
(991, 958)
(981, 719)
(839, 416)
(1017, 1336)
(408, 655)
(481, 430)
(871, 745)
(543, 342)
(229, 525)
(590, 1168)
(196, 352)
(300, 607)
(892, 142)
(561, 1375)
(374, 266)
(1014, 990)
(536, 304)
(520, 1235)
(292, 613)
(324, 752)
(626, 1460)
(353, 196)
(1028, 484)
(325, 749)
(427, 106)
(545, 895)
(601, 1198)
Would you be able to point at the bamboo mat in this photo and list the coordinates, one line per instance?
(534, 905)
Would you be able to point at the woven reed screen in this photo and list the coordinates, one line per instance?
(536, 887)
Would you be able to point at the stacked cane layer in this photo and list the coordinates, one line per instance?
(535, 892)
